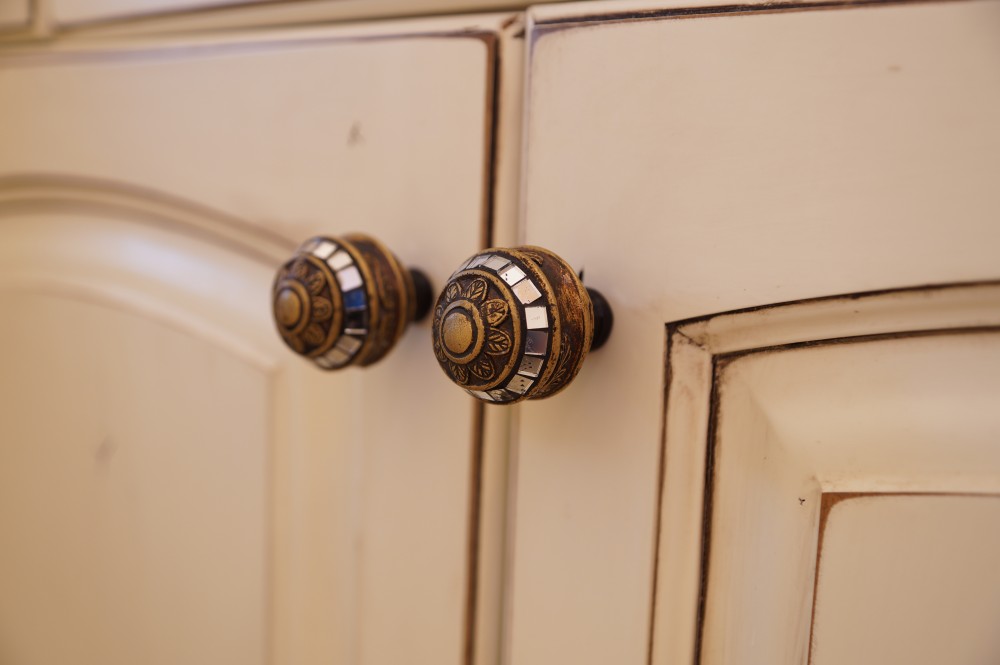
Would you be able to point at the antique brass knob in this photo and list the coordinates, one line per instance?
(346, 301)
(515, 324)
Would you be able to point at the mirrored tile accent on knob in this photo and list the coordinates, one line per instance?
(504, 333)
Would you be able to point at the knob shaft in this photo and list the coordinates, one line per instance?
(346, 301)
(515, 324)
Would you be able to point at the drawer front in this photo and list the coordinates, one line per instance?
(256, 508)
(698, 159)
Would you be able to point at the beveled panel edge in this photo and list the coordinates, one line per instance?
(885, 311)
(697, 351)
(56, 191)
(132, 301)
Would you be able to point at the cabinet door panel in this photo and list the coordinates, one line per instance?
(132, 490)
(172, 180)
(847, 483)
(137, 436)
(695, 159)
(908, 578)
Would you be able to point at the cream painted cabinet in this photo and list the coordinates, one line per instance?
(787, 453)
(175, 485)
(810, 482)
(14, 15)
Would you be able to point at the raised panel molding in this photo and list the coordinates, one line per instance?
(140, 384)
(145, 251)
(772, 416)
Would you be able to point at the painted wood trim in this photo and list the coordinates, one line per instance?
(808, 320)
(41, 195)
(355, 15)
(143, 204)
(240, 10)
(695, 360)
(550, 18)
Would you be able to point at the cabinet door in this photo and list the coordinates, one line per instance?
(695, 159)
(175, 485)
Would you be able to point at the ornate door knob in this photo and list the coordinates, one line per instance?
(515, 324)
(346, 301)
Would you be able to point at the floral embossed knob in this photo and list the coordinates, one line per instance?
(346, 301)
(515, 324)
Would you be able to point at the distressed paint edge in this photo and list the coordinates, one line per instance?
(719, 363)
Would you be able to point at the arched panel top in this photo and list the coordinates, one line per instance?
(34, 192)
(140, 251)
